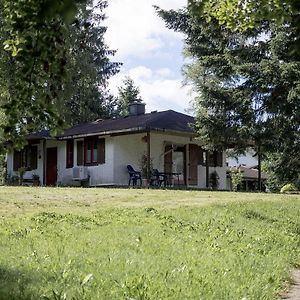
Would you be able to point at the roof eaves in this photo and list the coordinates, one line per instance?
(176, 132)
(129, 130)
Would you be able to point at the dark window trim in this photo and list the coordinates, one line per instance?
(70, 154)
(92, 142)
(215, 159)
(25, 158)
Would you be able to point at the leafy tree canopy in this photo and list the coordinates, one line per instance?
(54, 65)
(245, 14)
(32, 35)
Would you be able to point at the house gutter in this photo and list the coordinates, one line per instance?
(124, 131)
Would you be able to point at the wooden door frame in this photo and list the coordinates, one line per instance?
(56, 148)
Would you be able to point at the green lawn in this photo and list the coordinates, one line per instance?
(63, 243)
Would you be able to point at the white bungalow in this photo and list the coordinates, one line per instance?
(100, 151)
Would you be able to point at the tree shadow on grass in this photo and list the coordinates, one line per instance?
(14, 285)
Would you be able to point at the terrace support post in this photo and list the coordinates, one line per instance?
(148, 156)
(207, 168)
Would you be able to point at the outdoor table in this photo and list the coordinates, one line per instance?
(170, 176)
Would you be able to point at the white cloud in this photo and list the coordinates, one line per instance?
(134, 28)
(157, 91)
(140, 72)
(164, 72)
(150, 52)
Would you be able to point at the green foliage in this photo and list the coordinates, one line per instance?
(79, 244)
(54, 65)
(246, 14)
(283, 166)
(33, 36)
(236, 178)
(214, 180)
(289, 187)
(143, 164)
(128, 94)
(246, 84)
(86, 97)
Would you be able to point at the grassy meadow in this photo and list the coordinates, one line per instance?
(64, 243)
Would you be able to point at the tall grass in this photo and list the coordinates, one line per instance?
(224, 250)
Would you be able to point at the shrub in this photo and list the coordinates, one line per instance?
(144, 165)
(214, 180)
(236, 178)
(289, 187)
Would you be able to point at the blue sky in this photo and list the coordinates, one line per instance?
(151, 54)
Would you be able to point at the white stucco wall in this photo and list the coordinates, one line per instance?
(103, 174)
(119, 152)
(128, 149)
(98, 175)
(28, 174)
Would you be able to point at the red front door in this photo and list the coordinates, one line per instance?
(51, 166)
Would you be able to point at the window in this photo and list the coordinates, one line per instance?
(215, 159)
(94, 151)
(70, 154)
(26, 158)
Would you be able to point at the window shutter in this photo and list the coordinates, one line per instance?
(33, 158)
(17, 160)
(70, 154)
(200, 156)
(79, 153)
(101, 151)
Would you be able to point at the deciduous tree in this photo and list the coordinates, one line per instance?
(54, 65)
(245, 14)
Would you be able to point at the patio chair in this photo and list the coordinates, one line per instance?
(134, 176)
(158, 178)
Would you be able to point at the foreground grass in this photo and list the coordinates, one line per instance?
(145, 244)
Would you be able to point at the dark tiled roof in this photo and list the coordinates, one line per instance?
(166, 120)
(250, 173)
(38, 135)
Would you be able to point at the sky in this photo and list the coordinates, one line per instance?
(151, 54)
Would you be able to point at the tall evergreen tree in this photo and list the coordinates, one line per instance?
(128, 94)
(247, 83)
(85, 93)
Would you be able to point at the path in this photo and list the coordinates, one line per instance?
(294, 293)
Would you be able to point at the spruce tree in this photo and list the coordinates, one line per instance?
(128, 94)
(247, 84)
(86, 96)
